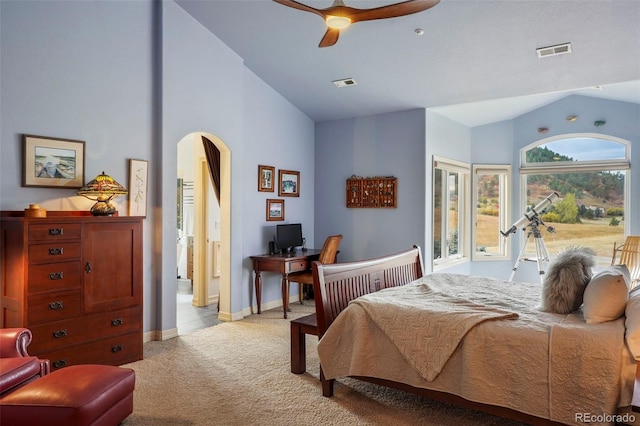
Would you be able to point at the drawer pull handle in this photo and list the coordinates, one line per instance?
(116, 322)
(60, 333)
(56, 231)
(87, 267)
(56, 305)
(116, 348)
(60, 363)
(56, 276)
(56, 251)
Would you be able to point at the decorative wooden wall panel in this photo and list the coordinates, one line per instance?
(372, 192)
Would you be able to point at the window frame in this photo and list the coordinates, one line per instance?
(583, 165)
(464, 176)
(577, 167)
(504, 215)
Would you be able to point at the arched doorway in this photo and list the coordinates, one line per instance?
(204, 224)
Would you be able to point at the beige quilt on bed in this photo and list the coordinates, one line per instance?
(425, 325)
(508, 354)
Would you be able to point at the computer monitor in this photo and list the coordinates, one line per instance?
(289, 236)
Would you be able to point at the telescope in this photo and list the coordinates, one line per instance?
(532, 214)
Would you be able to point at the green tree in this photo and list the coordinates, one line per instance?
(567, 209)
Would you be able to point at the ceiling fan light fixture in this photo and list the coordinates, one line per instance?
(339, 16)
(337, 22)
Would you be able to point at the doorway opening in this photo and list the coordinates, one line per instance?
(203, 235)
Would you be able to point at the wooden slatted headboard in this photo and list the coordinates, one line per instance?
(335, 285)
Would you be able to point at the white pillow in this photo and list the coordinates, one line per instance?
(632, 322)
(606, 295)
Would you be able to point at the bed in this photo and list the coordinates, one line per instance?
(473, 341)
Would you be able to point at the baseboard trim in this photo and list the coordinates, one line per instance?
(158, 335)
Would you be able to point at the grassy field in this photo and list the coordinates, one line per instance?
(596, 234)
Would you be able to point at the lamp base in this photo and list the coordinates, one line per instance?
(103, 208)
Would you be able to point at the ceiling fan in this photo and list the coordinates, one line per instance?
(338, 16)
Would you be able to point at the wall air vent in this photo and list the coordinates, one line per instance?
(345, 82)
(558, 49)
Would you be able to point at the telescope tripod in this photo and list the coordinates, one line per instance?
(542, 255)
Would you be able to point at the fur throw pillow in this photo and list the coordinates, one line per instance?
(565, 281)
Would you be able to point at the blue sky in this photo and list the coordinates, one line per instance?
(587, 149)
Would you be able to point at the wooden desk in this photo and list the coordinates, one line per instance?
(284, 264)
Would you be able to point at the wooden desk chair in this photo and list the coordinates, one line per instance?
(629, 254)
(307, 324)
(327, 255)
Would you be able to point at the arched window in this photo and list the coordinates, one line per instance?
(590, 174)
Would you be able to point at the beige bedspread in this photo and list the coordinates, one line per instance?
(425, 325)
(547, 365)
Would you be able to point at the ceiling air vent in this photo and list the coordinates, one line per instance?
(558, 49)
(345, 82)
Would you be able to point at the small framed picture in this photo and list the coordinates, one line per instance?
(275, 209)
(266, 176)
(52, 162)
(289, 183)
(138, 183)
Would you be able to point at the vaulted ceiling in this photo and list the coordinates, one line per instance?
(475, 62)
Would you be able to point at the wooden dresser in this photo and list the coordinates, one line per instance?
(75, 281)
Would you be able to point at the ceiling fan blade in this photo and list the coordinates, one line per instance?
(393, 10)
(296, 5)
(330, 37)
(357, 15)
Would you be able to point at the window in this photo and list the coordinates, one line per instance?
(491, 213)
(450, 211)
(590, 173)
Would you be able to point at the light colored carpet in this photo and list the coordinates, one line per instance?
(238, 373)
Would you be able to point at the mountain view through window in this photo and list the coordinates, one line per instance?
(591, 184)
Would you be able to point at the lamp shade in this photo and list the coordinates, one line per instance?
(102, 189)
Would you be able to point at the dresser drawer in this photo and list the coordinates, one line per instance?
(54, 276)
(52, 336)
(299, 265)
(59, 251)
(114, 351)
(54, 231)
(54, 307)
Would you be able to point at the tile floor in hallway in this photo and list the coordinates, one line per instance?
(189, 317)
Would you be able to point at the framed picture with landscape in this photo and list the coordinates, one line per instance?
(52, 162)
(289, 183)
(275, 210)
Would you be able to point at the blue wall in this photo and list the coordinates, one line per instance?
(622, 121)
(282, 137)
(132, 79)
(370, 146)
(500, 143)
(449, 139)
(380, 145)
(79, 70)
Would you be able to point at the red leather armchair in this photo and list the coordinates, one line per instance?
(79, 395)
(17, 368)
